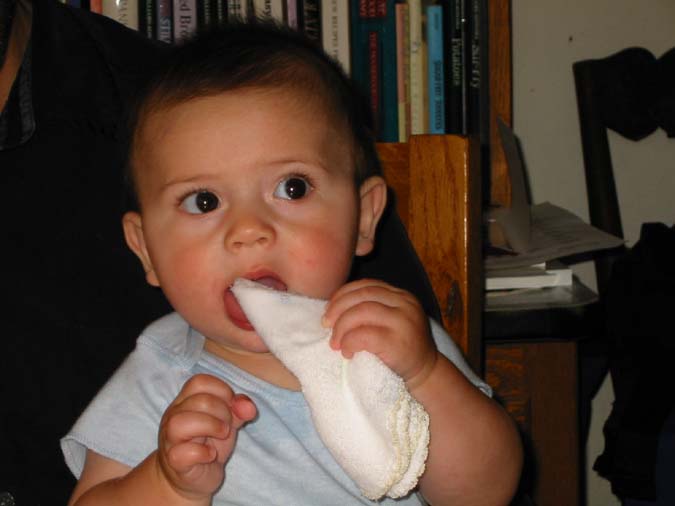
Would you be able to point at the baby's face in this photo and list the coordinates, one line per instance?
(253, 184)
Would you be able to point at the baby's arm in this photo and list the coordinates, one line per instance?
(475, 453)
(196, 437)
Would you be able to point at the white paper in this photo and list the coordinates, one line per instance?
(514, 222)
(555, 233)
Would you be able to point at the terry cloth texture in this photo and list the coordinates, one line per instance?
(362, 411)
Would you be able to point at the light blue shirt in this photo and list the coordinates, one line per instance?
(278, 458)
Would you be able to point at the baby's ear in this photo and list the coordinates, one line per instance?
(133, 233)
(373, 195)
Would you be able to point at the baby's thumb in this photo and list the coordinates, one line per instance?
(243, 409)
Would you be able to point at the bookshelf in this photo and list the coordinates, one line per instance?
(437, 178)
(443, 186)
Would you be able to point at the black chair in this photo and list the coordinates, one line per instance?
(632, 93)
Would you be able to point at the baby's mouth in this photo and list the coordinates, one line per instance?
(234, 310)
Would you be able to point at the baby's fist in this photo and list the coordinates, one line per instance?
(198, 432)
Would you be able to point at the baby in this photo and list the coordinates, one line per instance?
(252, 158)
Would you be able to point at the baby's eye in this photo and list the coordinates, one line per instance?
(200, 202)
(292, 188)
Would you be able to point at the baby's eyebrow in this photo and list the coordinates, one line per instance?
(195, 179)
(303, 162)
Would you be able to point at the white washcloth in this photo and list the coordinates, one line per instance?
(361, 409)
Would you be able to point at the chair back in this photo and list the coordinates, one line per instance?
(437, 191)
(632, 93)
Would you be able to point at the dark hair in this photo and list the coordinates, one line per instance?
(258, 54)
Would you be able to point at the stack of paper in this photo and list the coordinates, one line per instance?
(541, 275)
(533, 237)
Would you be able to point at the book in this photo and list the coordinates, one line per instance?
(184, 19)
(417, 79)
(206, 14)
(164, 18)
(292, 14)
(310, 19)
(96, 6)
(403, 71)
(373, 67)
(237, 9)
(454, 34)
(220, 10)
(147, 18)
(541, 275)
(270, 9)
(435, 72)
(478, 93)
(122, 11)
(335, 31)
(477, 67)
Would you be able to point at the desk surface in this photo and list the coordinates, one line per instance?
(545, 313)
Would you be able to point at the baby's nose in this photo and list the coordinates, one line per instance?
(249, 231)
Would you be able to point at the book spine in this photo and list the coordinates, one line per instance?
(184, 19)
(146, 18)
(205, 14)
(335, 31)
(164, 20)
(402, 71)
(273, 9)
(96, 6)
(374, 62)
(454, 36)
(292, 18)
(386, 10)
(476, 19)
(358, 37)
(220, 10)
(435, 72)
(478, 106)
(311, 20)
(418, 123)
(237, 9)
(373, 76)
(123, 11)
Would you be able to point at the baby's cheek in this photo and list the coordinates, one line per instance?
(324, 265)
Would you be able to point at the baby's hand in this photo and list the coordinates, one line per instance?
(197, 434)
(386, 321)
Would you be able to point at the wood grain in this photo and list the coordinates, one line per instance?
(537, 384)
(499, 12)
(438, 186)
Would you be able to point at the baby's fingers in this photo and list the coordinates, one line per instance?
(183, 457)
(370, 338)
(187, 425)
(358, 292)
(365, 323)
(243, 409)
(204, 384)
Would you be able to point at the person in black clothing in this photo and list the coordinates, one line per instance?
(74, 300)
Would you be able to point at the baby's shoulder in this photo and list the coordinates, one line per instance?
(173, 339)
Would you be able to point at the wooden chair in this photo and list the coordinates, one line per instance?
(437, 191)
(631, 93)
